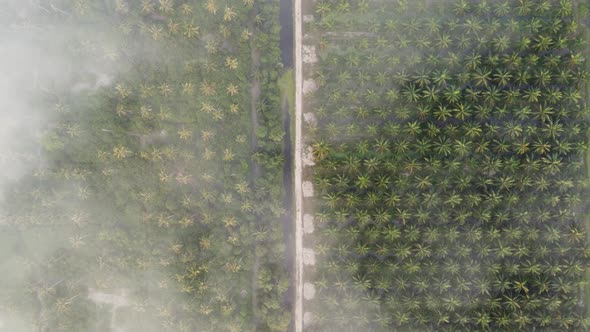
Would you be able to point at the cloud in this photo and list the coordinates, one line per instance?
(45, 57)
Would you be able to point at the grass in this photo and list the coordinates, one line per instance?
(287, 88)
(287, 91)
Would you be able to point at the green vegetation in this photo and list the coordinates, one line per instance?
(165, 187)
(287, 85)
(451, 165)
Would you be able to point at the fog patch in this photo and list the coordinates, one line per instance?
(309, 86)
(48, 60)
(308, 291)
(310, 119)
(308, 227)
(309, 54)
(307, 189)
(116, 299)
(307, 158)
(308, 256)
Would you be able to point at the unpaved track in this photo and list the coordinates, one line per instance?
(298, 170)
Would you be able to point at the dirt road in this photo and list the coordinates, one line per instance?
(298, 169)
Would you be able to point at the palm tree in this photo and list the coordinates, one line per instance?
(543, 77)
(381, 216)
(482, 77)
(452, 94)
(552, 129)
(341, 181)
(452, 59)
(352, 164)
(320, 150)
(363, 181)
(472, 94)
(372, 164)
(190, 30)
(373, 199)
(443, 146)
(442, 113)
(381, 146)
(461, 7)
(411, 93)
(430, 94)
(444, 41)
(552, 163)
(462, 147)
(371, 96)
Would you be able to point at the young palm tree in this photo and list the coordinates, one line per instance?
(320, 150)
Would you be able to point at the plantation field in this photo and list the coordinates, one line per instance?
(448, 144)
(155, 199)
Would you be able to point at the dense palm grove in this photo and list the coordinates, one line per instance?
(450, 165)
(158, 194)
